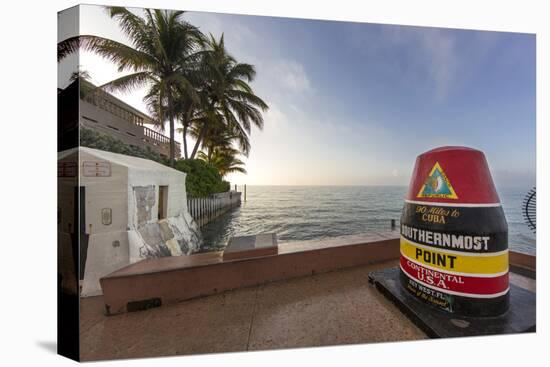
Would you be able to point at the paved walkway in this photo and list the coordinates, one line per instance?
(334, 308)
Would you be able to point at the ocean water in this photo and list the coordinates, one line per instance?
(314, 212)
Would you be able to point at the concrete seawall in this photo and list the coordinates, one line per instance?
(205, 210)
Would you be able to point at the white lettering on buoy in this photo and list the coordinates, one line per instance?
(464, 242)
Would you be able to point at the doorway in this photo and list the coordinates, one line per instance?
(163, 202)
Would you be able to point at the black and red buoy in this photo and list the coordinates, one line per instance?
(454, 236)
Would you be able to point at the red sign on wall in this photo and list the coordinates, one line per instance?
(66, 169)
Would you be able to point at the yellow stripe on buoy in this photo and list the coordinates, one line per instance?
(472, 263)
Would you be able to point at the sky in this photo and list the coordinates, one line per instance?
(355, 103)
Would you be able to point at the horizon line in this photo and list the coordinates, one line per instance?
(354, 185)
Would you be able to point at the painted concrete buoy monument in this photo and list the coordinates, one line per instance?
(453, 273)
(454, 235)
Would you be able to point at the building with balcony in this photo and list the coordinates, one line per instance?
(102, 112)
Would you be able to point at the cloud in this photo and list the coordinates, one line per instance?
(278, 75)
(432, 55)
(292, 76)
(439, 48)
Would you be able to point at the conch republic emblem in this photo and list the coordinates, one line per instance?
(437, 185)
(454, 236)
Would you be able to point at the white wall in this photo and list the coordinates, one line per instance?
(108, 247)
(177, 197)
(113, 246)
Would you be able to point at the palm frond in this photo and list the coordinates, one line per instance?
(243, 71)
(129, 82)
(133, 26)
(125, 57)
(67, 47)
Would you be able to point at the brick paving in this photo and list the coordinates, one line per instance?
(334, 308)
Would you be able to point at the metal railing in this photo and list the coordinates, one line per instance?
(204, 210)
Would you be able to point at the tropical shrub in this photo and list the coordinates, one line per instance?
(203, 178)
(93, 139)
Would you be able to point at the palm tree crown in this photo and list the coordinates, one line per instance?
(164, 50)
(228, 101)
(224, 159)
(189, 78)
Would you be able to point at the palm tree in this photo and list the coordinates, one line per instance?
(187, 111)
(217, 137)
(67, 47)
(224, 159)
(164, 50)
(227, 100)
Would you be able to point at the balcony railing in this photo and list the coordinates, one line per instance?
(156, 136)
(160, 142)
(107, 103)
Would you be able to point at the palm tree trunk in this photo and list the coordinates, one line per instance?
(199, 140)
(185, 140)
(203, 131)
(172, 140)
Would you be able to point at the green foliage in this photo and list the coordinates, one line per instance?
(229, 105)
(162, 47)
(190, 79)
(224, 158)
(95, 140)
(203, 178)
